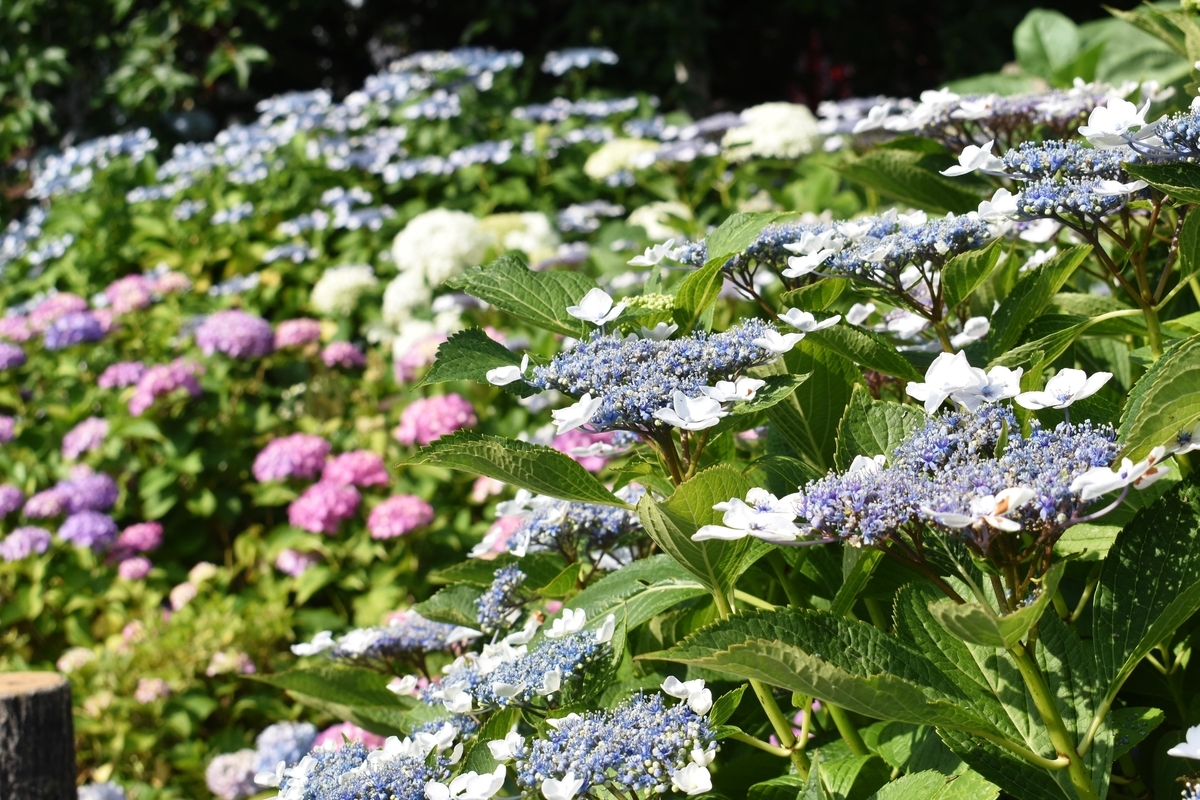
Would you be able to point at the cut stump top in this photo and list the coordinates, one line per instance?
(15, 684)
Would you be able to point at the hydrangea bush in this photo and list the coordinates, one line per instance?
(483, 435)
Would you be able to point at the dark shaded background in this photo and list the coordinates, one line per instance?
(734, 53)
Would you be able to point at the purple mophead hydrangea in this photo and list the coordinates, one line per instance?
(297, 333)
(236, 334)
(89, 529)
(299, 455)
(73, 328)
(344, 355)
(84, 437)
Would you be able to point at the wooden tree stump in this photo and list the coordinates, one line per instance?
(37, 738)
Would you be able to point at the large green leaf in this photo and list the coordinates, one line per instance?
(808, 418)
(1030, 295)
(697, 292)
(932, 785)
(468, 355)
(1149, 584)
(911, 177)
(850, 664)
(454, 605)
(1131, 726)
(1045, 43)
(978, 624)
(870, 427)
(916, 748)
(715, 563)
(866, 348)
(785, 787)
(645, 588)
(966, 271)
(539, 298)
(350, 693)
(1180, 180)
(540, 469)
(1164, 401)
(817, 296)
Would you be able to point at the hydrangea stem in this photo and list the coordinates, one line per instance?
(846, 728)
(1060, 737)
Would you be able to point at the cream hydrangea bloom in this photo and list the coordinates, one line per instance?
(772, 130)
(614, 156)
(531, 232)
(659, 219)
(440, 244)
(338, 290)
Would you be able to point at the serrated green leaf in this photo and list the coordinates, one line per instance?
(866, 348)
(931, 785)
(725, 705)
(807, 420)
(815, 297)
(468, 355)
(1149, 584)
(1029, 296)
(1131, 726)
(539, 298)
(870, 427)
(136, 429)
(916, 748)
(645, 588)
(1180, 180)
(966, 271)
(454, 605)
(696, 294)
(716, 564)
(540, 469)
(785, 787)
(977, 624)
(855, 778)
(912, 178)
(850, 664)
(1189, 247)
(737, 233)
(350, 693)
(865, 561)
(1164, 401)
(479, 758)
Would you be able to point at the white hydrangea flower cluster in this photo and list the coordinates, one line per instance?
(432, 248)
(772, 130)
(619, 155)
(531, 232)
(339, 289)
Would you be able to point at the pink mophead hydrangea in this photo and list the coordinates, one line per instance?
(356, 468)
(430, 418)
(323, 507)
(398, 515)
(300, 455)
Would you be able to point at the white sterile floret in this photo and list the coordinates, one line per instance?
(551, 683)
(859, 312)
(502, 376)
(564, 789)
(506, 749)
(999, 208)
(743, 520)
(405, 685)
(805, 322)
(946, 376)
(577, 415)
(468, 786)
(973, 330)
(693, 693)
(321, 642)
(1068, 386)
(867, 465)
(975, 158)
(991, 509)
(742, 390)
(691, 413)
(556, 722)
(1186, 441)
(660, 332)
(597, 308)
(776, 342)
(692, 779)
(457, 700)
(799, 266)
(572, 620)
(1108, 188)
(1107, 126)
(604, 633)
(1102, 480)
(653, 255)
(271, 777)
(1191, 747)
